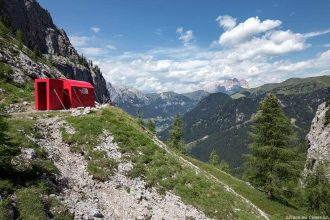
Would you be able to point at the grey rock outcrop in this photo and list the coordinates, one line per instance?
(319, 142)
(40, 32)
(37, 27)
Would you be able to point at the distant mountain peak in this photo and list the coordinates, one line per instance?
(226, 86)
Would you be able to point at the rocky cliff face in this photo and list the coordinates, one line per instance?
(319, 142)
(39, 32)
(37, 27)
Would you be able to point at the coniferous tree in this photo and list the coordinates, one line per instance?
(19, 38)
(214, 158)
(151, 126)
(224, 166)
(270, 166)
(317, 191)
(176, 134)
(139, 117)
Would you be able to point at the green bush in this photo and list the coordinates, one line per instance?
(6, 187)
(5, 70)
(327, 114)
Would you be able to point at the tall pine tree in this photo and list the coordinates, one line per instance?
(176, 134)
(214, 158)
(270, 166)
(151, 126)
(139, 117)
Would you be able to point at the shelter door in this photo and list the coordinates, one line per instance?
(42, 96)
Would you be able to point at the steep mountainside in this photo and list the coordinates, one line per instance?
(292, 86)
(319, 140)
(223, 123)
(160, 107)
(41, 36)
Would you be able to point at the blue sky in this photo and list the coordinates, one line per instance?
(158, 45)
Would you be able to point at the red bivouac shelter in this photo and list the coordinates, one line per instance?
(56, 94)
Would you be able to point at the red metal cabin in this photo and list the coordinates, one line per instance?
(56, 94)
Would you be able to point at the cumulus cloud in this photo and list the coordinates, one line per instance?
(255, 50)
(95, 29)
(79, 41)
(246, 30)
(91, 46)
(185, 36)
(226, 21)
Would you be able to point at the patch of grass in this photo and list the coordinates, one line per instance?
(4, 209)
(16, 94)
(102, 168)
(45, 166)
(58, 210)
(18, 128)
(5, 70)
(29, 204)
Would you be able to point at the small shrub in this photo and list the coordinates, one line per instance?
(6, 187)
(5, 71)
(327, 114)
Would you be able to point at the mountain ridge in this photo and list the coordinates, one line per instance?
(222, 123)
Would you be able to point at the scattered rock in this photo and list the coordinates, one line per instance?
(91, 199)
(28, 153)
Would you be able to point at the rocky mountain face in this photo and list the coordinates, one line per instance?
(40, 34)
(223, 123)
(160, 107)
(319, 141)
(228, 86)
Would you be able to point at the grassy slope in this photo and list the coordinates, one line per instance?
(165, 172)
(274, 209)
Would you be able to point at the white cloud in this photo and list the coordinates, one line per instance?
(111, 47)
(317, 33)
(246, 30)
(79, 41)
(226, 21)
(259, 55)
(95, 29)
(185, 36)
